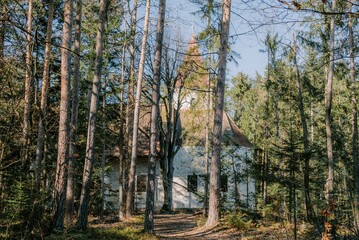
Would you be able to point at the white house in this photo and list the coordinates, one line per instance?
(191, 163)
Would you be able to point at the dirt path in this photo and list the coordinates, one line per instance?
(184, 226)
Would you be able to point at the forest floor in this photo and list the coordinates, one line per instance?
(188, 227)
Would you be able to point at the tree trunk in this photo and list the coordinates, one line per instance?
(129, 106)
(207, 151)
(308, 205)
(43, 101)
(74, 116)
(103, 160)
(328, 107)
(151, 178)
(121, 166)
(27, 97)
(214, 194)
(62, 159)
(91, 130)
(131, 176)
(355, 118)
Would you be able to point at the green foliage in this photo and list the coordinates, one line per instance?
(240, 220)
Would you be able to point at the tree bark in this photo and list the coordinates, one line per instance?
(62, 158)
(130, 101)
(43, 100)
(355, 117)
(306, 180)
(328, 107)
(103, 160)
(87, 174)
(121, 166)
(151, 178)
(27, 97)
(214, 194)
(132, 172)
(74, 115)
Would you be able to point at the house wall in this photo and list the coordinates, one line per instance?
(188, 161)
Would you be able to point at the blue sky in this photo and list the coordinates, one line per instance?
(251, 20)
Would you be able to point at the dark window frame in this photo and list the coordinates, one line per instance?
(141, 182)
(192, 183)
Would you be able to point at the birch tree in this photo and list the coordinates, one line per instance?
(91, 129)
(214, 184)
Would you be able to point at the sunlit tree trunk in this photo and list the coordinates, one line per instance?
(151, 177)
(132, 172)
(328, 108)
(62, 154)
(214, 194)
(43, 101)
(74, 115)
(91, 130)
(27, 97)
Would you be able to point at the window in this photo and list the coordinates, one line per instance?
(141, 183)
(192, 183)
(224, 183)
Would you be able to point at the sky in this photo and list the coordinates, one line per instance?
(251, 20)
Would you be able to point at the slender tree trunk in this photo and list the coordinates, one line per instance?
(62, 158)
(87, 174)
(74, 116)
(43, 101)
(103, 162)
(355, 118)
(151, 178)
(328, 108)
(121, 167)
(131, 176)
(214, 194)
(27, 98)
(130, 97)
(308, 205)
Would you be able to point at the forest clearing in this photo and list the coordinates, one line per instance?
(188, 119)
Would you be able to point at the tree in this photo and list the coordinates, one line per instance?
(74, 114)
(44, 96)
(155, 97)
(306, 182)
(27, 97)
(91, 130)
(62, 158)
(214, 194)
(131, 176)
(328, 108)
